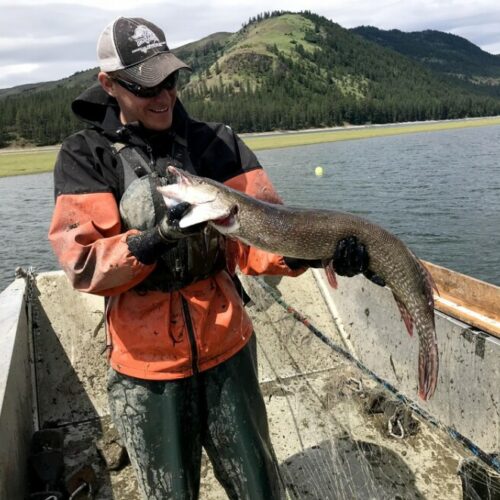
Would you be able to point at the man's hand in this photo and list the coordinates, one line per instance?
(169, 226)
(149, 245)
(351, 258)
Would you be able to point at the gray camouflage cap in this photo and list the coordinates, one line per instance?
(138, 50)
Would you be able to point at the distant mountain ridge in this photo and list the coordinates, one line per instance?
(285, 70)
(441, 52)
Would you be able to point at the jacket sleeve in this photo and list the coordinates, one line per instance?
(251, 260)
(85, 231)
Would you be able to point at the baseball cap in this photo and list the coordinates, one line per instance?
(138, 50)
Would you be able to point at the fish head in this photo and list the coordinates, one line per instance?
(210, 201)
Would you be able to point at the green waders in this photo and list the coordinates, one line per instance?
(165, 424)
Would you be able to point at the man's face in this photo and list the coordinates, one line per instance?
(154, 113)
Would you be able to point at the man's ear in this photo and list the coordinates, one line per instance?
(106, 82)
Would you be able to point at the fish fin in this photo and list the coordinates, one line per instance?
(430, 285)
(429, 278)
(405, 314)
(428, 370)
(330, 274)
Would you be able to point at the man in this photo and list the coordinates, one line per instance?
(180, 344)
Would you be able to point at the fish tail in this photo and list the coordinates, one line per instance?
(428, 368)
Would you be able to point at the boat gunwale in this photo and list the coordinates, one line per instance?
(467, 299)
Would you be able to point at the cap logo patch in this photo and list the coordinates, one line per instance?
(145, 39)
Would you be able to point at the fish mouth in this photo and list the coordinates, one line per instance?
(207, 205)
(227, 223)
(220, 217)
(177, 177)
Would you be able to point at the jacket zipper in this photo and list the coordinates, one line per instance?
(190, 330)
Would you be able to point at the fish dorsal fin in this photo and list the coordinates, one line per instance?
(431, 284)
(430, 279)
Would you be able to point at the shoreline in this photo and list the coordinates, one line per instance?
(41, 160)
(282, 139)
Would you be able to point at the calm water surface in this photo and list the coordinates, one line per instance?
(26, 204)
(438, 191)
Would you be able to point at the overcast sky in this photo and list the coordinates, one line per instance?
(42, 41)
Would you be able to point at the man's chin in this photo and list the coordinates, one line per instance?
(158, 123)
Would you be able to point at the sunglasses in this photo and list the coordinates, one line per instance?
(147, 92)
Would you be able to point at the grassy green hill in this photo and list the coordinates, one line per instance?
(204, 52)
(302, 70)
(280, 71)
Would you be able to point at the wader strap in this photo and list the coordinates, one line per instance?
(134, 164)
(158, 203)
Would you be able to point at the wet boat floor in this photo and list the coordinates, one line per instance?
(328, 445)
(331, 440)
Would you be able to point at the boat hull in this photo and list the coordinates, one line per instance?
(326, 441)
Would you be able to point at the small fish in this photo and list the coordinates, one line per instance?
(313, 235)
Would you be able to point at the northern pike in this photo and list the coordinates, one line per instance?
(313, 235)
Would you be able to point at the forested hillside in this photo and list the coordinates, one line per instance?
(442, 52)
(280, 71)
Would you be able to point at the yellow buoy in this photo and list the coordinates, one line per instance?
(318, 171)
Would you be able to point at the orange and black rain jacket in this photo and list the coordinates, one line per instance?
(154, 334)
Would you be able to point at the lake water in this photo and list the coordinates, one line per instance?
(438, 191)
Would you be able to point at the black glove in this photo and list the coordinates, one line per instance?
(351, 258)
(150, 244)
(169, 226)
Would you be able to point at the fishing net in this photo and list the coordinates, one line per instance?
(339, 430)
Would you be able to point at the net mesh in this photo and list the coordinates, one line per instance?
(338, 430)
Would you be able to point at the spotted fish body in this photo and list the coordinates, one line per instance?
(314, 235)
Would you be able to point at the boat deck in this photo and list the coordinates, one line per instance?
(329, 427)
